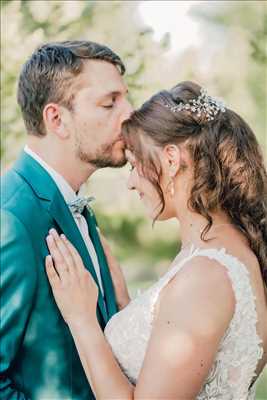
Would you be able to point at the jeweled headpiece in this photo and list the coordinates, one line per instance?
(204, 106)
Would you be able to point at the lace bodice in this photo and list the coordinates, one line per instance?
(240, 349)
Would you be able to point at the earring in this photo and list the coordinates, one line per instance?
(171, 187)
(172, 173)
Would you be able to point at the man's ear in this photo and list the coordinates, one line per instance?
(172, 156)
(54, 120)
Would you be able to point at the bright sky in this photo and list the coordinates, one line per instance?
(172, 17)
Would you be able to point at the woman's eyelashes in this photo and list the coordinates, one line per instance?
(110, 104)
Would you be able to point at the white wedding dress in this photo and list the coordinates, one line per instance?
(240, 349)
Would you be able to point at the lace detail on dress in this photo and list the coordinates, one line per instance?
(240, 349)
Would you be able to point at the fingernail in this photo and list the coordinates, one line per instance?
(63, 236)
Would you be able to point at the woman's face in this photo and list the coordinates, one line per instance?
(147, 192)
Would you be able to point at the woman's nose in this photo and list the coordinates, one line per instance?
(130, 182)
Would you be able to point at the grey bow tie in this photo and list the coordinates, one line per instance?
(77, 206)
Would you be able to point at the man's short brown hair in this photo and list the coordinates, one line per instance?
(48, 74)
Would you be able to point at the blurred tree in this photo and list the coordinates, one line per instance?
(27, 24)
(241, 63)
(259, 42)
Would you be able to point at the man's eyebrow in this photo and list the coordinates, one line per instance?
(115, 93)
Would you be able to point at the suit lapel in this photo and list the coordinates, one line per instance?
(52, 200)
(104, 269)
(62, 215)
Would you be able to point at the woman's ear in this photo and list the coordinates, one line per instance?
(172, 157)
(53, 118)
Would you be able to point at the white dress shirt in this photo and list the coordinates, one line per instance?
(69, 195)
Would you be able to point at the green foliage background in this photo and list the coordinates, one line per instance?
(231, 63)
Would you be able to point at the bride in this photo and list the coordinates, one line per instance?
(200, 332)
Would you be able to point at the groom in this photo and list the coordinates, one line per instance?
(73, 101)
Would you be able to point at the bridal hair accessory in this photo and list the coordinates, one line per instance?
(77, 206)
(203, 105)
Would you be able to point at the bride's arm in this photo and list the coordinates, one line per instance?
(193, 315)
(100, 366)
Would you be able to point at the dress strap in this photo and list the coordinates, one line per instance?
(237, 271)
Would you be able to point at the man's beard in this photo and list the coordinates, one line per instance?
(103, 157)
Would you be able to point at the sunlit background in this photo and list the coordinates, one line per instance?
(219, 44)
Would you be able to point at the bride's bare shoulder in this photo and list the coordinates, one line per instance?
(199, 295)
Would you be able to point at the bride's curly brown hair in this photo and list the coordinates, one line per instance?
(229, 171)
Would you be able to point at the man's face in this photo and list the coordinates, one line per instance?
(99, 108)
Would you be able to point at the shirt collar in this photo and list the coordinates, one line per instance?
(66, 190)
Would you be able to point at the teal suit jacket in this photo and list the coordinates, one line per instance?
(38, 357)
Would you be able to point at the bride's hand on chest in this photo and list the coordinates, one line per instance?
(73, 287)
